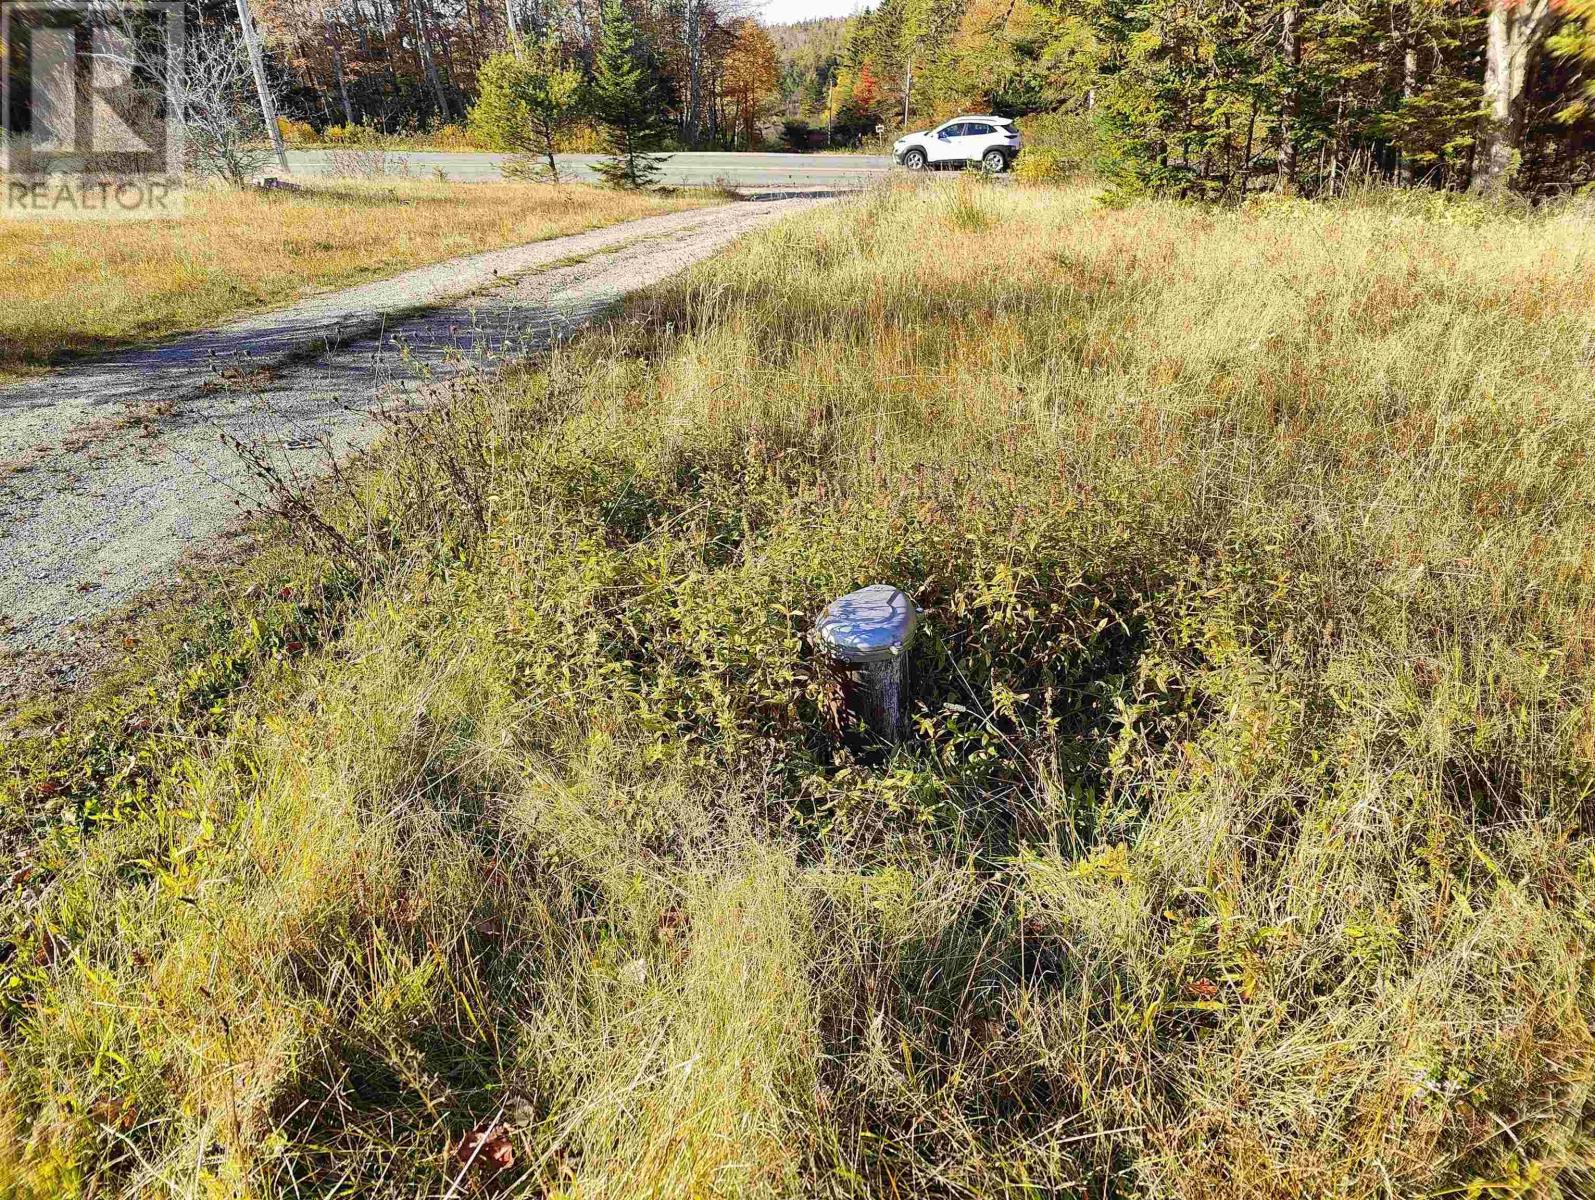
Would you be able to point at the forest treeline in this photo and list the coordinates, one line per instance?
(1213, 98)
(406, 65)
(1218, 97)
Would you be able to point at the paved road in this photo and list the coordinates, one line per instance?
(844, 171)
(111, 470)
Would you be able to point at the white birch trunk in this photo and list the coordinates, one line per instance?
(1515, 30)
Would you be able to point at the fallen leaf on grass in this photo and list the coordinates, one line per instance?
(491, 928)
(490, 1146)
(672, 923)
(49, 948)
(116, 1113)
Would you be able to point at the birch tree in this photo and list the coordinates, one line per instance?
(1516, 31)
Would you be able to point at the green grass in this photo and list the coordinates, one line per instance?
(1240, 850)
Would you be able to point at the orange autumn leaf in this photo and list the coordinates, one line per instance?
(490, 1145)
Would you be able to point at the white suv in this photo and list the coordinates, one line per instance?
(992, 142)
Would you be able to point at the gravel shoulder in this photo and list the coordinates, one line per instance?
(111, 471)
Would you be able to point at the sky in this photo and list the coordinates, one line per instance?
(781, 12)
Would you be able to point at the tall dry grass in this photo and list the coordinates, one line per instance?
(76, 287)
(1241, 849)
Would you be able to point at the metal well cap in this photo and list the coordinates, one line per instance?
(869, 625)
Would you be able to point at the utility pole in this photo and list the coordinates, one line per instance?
(257, 64)
(908, 89)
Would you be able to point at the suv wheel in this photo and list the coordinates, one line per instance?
(994, 162)
(914, 160)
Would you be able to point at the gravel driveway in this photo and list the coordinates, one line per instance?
(111, 470)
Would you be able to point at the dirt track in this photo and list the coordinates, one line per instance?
(110, 471)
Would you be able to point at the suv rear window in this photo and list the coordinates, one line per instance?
(976, 129)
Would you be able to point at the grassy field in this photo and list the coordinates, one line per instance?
(496, 831)
(75, 287)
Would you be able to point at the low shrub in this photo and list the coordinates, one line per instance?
(297, 133)
(1061, 146)
(1041, 164)
(366, 162)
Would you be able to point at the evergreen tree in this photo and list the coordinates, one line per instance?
(527, 98)
(625, 103)
(1215, 99)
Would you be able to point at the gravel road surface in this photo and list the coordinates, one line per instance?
(111, 470)
(843, 171)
